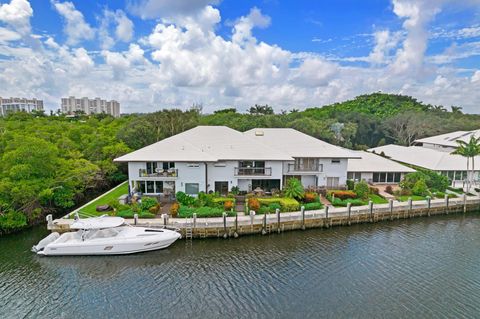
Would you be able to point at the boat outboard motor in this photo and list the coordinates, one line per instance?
(44, 242)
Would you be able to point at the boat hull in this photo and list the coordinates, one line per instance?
(108, 246)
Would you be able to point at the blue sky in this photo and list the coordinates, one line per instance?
(151, 54)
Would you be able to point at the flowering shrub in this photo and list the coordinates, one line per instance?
(344, 194)
(174, 209)
(228, 205)
(253, 204)
(389, 189)
(310, 197)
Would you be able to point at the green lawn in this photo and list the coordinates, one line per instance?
(105, 199)
(377, 199)
(405, 198)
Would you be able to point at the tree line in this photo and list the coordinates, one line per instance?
(50, 164)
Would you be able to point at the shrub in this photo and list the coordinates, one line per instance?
(253, 204)
(294, 189)
(287, 204)
(440, 195)
(174, 209)
(433, 180)
(374, 190)
(185, 199)
(420, 188)
(263, 210)
(154, 209)
(389, 190)
(343, 194)
(272, 208)
(202, 212)
(310, 197)
(147, 203)
(235, 190)
(405, 192)
(205, 200)
(362, 189)
(343, 203)
(228, 205)
(130, 214)
(313, 206)
(350, 184)
(12, 220)
(220, 201)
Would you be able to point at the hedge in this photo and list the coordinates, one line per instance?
(187, 212)
(313, 206)
(287, 204)
(129, 214)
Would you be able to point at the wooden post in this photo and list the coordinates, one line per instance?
(326, 215)
(446, 202)
(164, 216)
(464, 203)
(302, 209)
(277, 211)
(410, 204)
(235, 234)
(225, 235)
(264, 227)
(135, 219)
(349, 211)
(429, 205)
(390, 202)
(370, 207)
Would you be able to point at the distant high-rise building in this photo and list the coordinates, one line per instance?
(15, 104)
(71, 105)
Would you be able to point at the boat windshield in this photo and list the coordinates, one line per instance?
(101, 233)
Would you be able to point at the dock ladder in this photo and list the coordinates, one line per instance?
(188, 229)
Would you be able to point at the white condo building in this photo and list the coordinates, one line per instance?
(217, 158)
(88, 106)
(446, 142)
(14, 104)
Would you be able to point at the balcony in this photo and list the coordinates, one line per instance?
(295, 168)
(253, 171)
(159, 172)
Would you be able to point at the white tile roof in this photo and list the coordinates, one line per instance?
(375, 163)
(298, 144)
(450, 139)
(424, 157)
(206, 144)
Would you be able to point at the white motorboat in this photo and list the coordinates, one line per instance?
(105, 236)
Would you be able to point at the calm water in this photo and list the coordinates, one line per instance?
(415, 268)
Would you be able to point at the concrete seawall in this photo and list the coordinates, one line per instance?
(279, 222)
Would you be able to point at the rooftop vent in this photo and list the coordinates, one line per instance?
(258, 133)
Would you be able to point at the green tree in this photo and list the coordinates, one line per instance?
(362, 189)
(294, 189)
(469, 150)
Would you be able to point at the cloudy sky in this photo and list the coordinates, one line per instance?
(152, 54)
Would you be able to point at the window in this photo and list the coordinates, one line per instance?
(376, 177)
(383, 177)
(251, 164)
(158, 187)
(167, 165)
(390, 177)
(355, 176)
(151, 167)
(141, 186)
(397, 177)
(150, 187)
(220, 164)
(193, 165)
(306, 164)
(335, 161)
(192, 188)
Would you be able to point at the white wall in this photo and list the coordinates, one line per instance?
(333, 170)
(188, 174)
(217, 173)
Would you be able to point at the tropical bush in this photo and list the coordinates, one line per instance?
(12, 220)
(433, 180)
(343, 203)
(374, 190)
(220, 201)
(350, 184)
(420, 188)
(286, 204)
(185, 199)
(294, 189)
(272, 208)
(174, 209)
(235, 190)
(205, 199)
(129, 213)
(310, 197)
(253, 204)
(228, 205)
(202, 212)
(362, 189)
(343, 194)
(313, 206)
(147, 203)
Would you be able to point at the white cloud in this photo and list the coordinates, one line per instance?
(475, 77)
(122, 25)
(76, 28)
(17, 14)
(385, 42)
(150, 9)
(7, 35)
(242, 30)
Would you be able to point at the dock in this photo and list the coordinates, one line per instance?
(278, 222)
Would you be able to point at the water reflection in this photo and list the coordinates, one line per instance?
(420, 267)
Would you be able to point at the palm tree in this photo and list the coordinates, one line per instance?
(469, 150)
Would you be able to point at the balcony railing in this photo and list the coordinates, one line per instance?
(171, 172)
(304, 168)
(253, 171)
